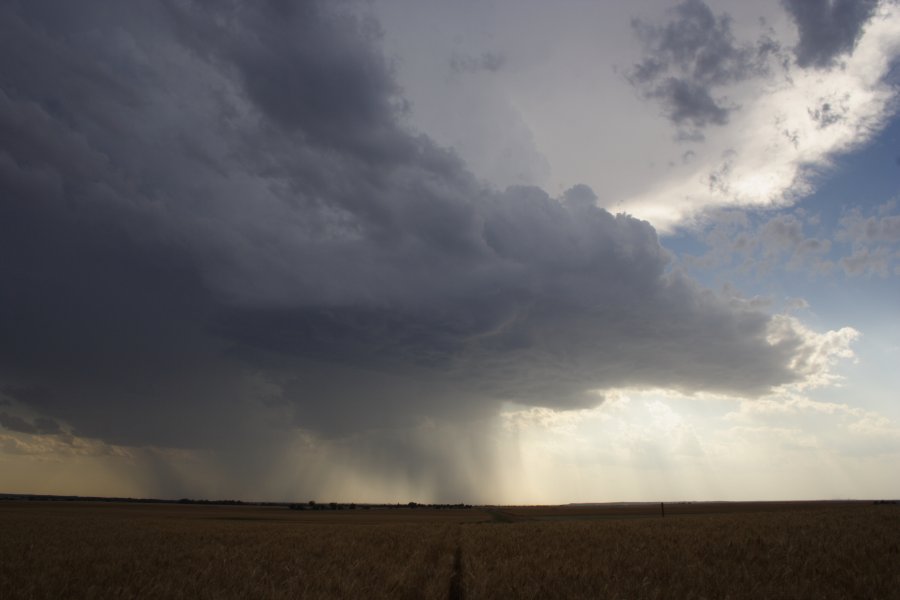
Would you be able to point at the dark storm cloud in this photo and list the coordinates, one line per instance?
(828, 28)
(691, 56)
(215, 225)
(691, 103)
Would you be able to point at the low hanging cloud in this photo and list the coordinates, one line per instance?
(828, 28)
(217, 230)
(41, 425)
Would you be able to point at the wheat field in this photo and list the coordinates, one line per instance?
(75, 550)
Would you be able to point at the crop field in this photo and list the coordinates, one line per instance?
(777, 550)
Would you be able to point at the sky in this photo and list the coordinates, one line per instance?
(494, 251)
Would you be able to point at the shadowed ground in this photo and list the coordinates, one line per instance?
(752, 550)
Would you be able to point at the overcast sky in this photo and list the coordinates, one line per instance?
(481, 251)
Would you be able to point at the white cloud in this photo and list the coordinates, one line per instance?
(571, 95)
(787, 445)
(788, 129)
(874, 240)
(762, 242)
(818, 352)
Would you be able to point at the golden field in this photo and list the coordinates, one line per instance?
(777, 550)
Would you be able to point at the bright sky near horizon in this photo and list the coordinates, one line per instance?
(482, 251)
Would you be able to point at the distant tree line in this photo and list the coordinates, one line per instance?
(313, 505)
(66, 498)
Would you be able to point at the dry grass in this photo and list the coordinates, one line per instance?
(132, 551)
(202, 552)
(836, 553)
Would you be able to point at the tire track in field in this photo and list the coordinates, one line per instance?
(502, 516)
(455, 591)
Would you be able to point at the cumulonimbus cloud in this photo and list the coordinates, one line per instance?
(214, 211)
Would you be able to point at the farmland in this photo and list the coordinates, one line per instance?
(753, 550)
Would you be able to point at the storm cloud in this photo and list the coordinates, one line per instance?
(690, 58)
(215, 224)
(828, 28)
